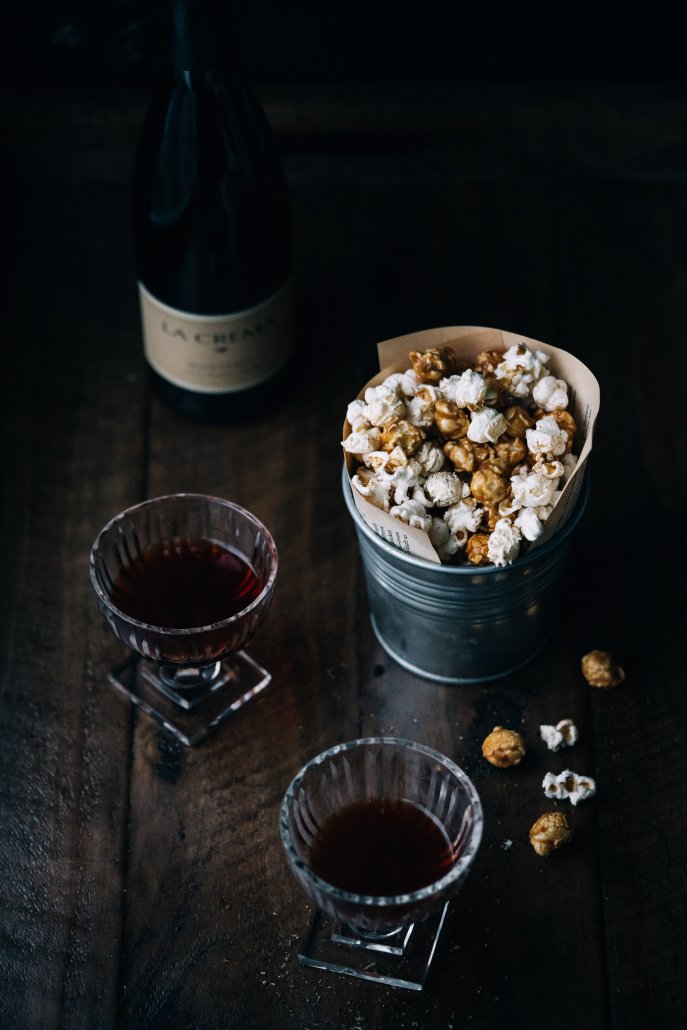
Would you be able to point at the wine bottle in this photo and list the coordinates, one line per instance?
(211, 227)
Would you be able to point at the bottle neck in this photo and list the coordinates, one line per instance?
(199, 34)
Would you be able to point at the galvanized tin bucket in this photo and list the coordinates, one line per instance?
(462, 624)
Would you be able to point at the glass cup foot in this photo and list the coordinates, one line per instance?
(400, 960)
(194, 709)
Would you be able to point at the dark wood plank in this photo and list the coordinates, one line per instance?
(627, 311)
(65, 758)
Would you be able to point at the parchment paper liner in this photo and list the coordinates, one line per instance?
(467, 342)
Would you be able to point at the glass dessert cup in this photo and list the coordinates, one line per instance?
(189, 678)
(388, 938)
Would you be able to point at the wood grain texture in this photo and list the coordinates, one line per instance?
(143, 884)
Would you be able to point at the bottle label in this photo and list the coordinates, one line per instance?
(217, 353)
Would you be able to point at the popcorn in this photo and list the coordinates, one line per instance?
(488, 484)
(521, 368)
(547, 439)
(550, 393)
(486, 425)
(475, 457)
(445, 541)
(362, 442)
(531, 490)
(403, 480)
(503, 747)
(569, 785)
(600, 669)
(464, 516)
(452, 422)
(367, 484)
(381, 409)
(356, 416)
(504, 543)
(403, 383)
(430, 458)
(413, 513)
(444, 488)
(550, 831)
(468, 390)
(433, 364)
(420, 408)
(400, 433)
(563, 734)
(529, 524)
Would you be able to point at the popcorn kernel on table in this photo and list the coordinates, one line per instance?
(549, 832)
(600, 670)
(503, 747)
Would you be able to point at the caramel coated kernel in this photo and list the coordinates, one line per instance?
(503, 747)
(518, 422)
(400, 433)
(433, 364)
(452, 422)
(550, 831)
(488, 484)
(600, 670)
(477, 549)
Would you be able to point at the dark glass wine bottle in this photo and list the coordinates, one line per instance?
(211, 228)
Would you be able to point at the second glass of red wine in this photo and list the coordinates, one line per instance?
(184, 581)
(379, 832)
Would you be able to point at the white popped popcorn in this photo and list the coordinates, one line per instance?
(531, 490)
(563, 734)
(367, 484)
(403, 480)
(356, 417)
(404, 383)
(444, 541)
(381, 409)
(529, 523)
(466, 515)
(547, 440)
(420, 408)
(413, 513)
(468, 390)
(362, 442)
(504, 543)
(444, 488)
(521, 368)
(430, 458)
(570, 785)
(486, 426)
(550, 393)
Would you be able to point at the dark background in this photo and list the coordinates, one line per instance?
(80, 43)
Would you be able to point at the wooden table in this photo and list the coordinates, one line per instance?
(142, 883)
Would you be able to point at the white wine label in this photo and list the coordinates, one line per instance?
(217, 353)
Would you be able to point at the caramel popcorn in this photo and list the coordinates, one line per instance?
(600, 670)
(503, 747)
(433, 364)
(550, 831)
(451, 421)
(400, 433)
(477, 549)
(483, 450)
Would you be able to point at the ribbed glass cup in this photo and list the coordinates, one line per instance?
(383, 768)
(183, 516)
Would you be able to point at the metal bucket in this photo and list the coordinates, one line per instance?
(462, 624)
